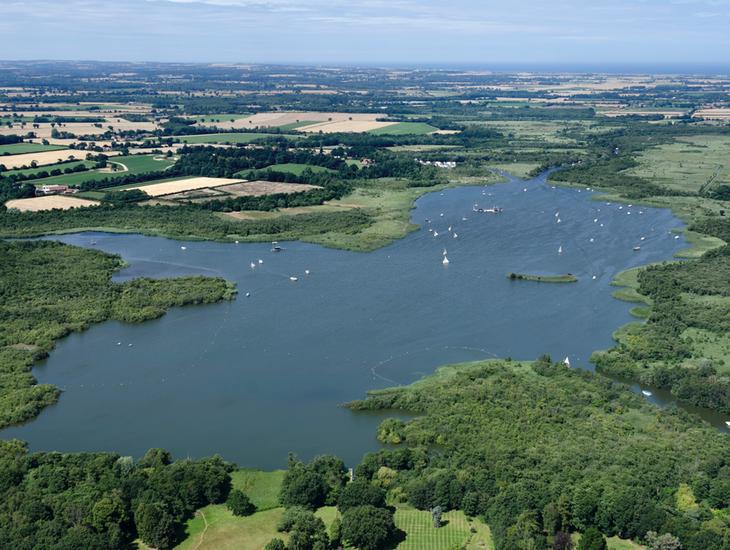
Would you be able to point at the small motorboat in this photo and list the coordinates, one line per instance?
(275, 247)
(261, 261)
(637, 248)
(727, 423)
(646, 393)
(293, 279)
(183, 248)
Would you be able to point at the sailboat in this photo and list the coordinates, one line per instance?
(646, 393)
(560, 249)
(444, 253)
(566, 362)
(445, 261)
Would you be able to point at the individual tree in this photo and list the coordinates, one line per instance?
(436, 513)
(239, 504)
(155, 526)
(154, 458)
(368, 527)
(308, 533)
(592, 539)
(360, 493)
(302, 486)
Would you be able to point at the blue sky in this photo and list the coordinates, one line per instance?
(619, 33)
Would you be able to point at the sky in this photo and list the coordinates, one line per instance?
(520, 33)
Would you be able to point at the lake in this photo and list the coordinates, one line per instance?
(263, 375)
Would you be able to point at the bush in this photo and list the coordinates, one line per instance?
(239, 504)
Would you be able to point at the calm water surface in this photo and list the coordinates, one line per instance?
(263, 375)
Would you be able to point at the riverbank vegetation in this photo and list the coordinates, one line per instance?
(566, 278)
(51, 289)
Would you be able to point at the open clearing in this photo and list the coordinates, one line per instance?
(456, 533)
(178, 186)
(20, 148)
(45, 157)
(37, 204)
(688, 164)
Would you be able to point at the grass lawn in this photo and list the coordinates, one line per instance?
(135, 164)
(261, 487)
(231, 137)
(688, 164)
(404, 128)
(214, 528)
(20, 148)
(456, 533)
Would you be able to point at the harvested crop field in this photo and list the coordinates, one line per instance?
(44, 157)
(258, 188)
(50, 202)
(346, 126)
(719, 113)
(180, 186)
(276, 119)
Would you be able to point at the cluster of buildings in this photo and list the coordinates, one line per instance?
(54, 190)
(437, 163)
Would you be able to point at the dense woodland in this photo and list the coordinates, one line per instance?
(541, 449)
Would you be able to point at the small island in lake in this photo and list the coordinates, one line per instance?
(567, 278)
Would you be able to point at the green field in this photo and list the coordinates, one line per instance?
(292, 168)
(134, 164)
(213, 118)
(20, 148)
(404, 128)
(456, 533)
(295, 125)
(47, 168)
(247, 137)
(687, 164)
